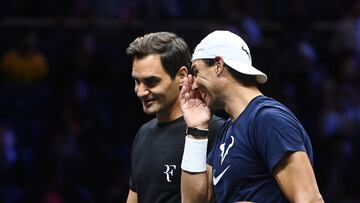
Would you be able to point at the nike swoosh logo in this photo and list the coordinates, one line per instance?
(217, 179)
(246, 51)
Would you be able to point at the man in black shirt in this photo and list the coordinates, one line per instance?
(160, 62)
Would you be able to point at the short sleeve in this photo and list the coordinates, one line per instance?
(277, 132)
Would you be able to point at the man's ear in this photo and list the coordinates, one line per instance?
(220, 65)
(182, 73)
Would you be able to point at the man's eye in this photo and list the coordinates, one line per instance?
(195, 72)
(151, 82)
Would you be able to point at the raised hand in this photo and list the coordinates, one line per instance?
(196, 113)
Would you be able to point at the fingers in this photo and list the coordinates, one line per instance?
(187, 96)
(186, 89)
(190, 80)
(197, 94)
(186, 83)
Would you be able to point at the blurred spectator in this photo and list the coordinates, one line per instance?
(346, 38)
(15, 168)
(87, 64)
(243, 19)
(25, 64)
(122, 9)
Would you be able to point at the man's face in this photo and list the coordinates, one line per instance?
(204, 82)
(156, 90)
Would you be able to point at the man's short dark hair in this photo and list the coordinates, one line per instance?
(173, 50)
(246, 80)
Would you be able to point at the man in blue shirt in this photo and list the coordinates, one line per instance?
(262, 153)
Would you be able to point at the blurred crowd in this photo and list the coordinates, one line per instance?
(68, 112)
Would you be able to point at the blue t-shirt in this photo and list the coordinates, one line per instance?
(248, 149)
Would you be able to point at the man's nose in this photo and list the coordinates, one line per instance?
(194, 86)
(141, 91)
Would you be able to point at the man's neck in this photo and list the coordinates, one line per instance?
(238, 98)
(173, 114)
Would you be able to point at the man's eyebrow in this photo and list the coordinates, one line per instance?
(145, 78)
(151, 78)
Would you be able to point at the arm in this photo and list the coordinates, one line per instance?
(197, 187)
(296, 178)
(132, 197)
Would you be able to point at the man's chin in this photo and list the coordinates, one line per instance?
(149, 111)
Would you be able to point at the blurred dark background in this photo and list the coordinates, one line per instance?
(68, 113)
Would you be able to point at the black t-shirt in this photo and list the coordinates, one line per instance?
(156, 159)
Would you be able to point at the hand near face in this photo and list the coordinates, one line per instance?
(196, 113)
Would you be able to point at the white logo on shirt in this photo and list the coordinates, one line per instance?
(217, 179)
(225, 152)
(169, 171)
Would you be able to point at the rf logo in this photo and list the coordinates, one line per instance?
(169, 172)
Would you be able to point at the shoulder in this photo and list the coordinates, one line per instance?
(145, 129)
(148, 125)
(270, 110)
(275, 115)
(277, 122)
(142, 135)
(217, 119)
(216, 123)
(273, 118)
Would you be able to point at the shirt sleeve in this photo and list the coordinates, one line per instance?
(277, 132)
(132, 184)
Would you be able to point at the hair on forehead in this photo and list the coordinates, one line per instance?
(173, 50)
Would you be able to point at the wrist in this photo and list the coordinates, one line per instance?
(194, 156)
(200, 127)
(197, 132)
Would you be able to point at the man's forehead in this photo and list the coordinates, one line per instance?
(144, 75)
(150, 65)
(197, 63)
